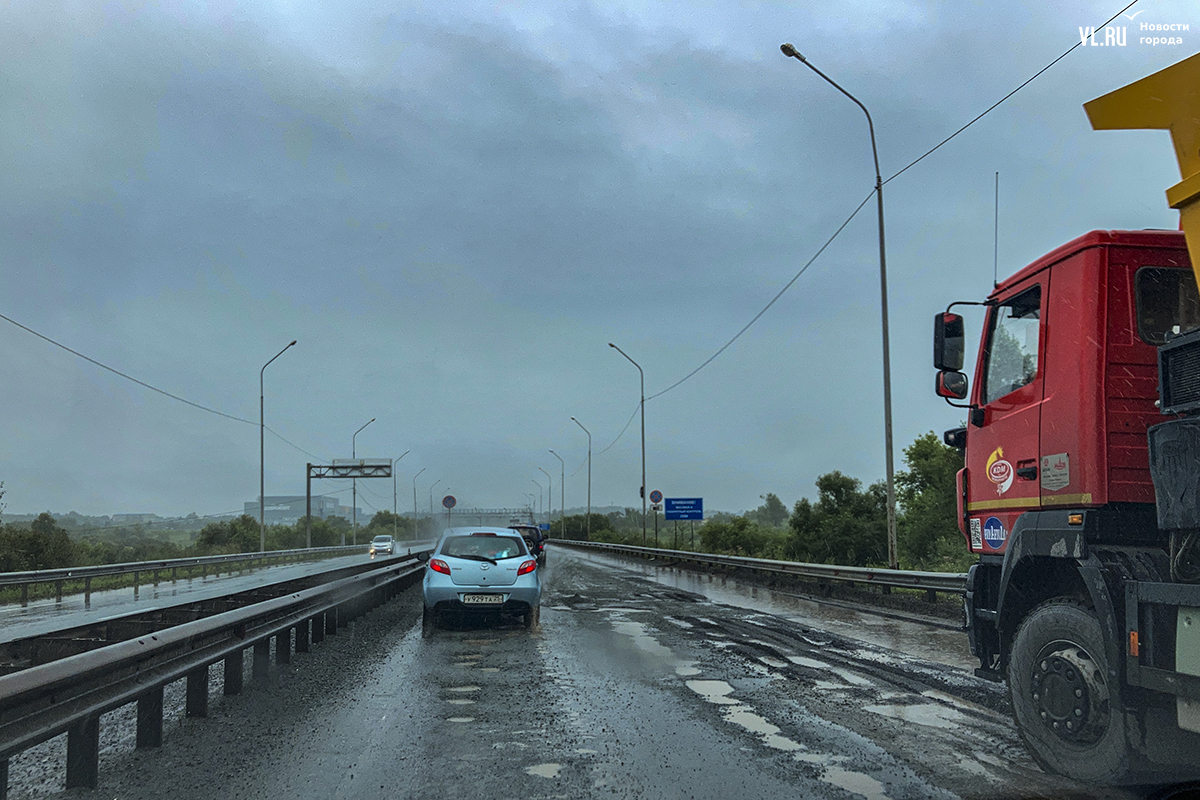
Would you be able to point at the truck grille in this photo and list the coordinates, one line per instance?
(1179, 374)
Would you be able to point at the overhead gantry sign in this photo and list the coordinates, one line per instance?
(340, 468)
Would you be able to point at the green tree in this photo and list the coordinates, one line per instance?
(387, 522)
(927, 528)
(43, 545)
(739, 536)
(772, 512)
(845, 526)
(238, 535)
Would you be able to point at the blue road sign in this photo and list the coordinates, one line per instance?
(684, 507)
(449, 501)
(545, 526)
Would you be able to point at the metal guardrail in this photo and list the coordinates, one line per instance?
(60, 577)
(70, 694)
(947, 582)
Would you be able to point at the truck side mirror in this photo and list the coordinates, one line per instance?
(949, 343)
(951, 385)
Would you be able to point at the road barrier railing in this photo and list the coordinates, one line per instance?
(70, 694)
(84, 575)
(947, 582)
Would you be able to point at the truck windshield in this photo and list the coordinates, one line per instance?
(1012, 358)
(1166, 297)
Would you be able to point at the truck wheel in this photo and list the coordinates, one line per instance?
(1066, 708)
(428, 622)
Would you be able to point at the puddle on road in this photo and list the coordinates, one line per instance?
(928, 714)
(462, 689)
(545, 770)
(933, 644)
(489, 669)
(686, 668)
(460, 702)
(461, 719)
(842, 674)
(743, 715)
(714, 692)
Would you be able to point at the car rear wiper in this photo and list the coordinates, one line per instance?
(479, 558)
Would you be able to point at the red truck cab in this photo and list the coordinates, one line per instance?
(1066, 381)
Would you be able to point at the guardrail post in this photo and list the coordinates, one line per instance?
(135, 584)
(302, 637)
(331, 621)
(283, 646)
(174, 574)
(156, 577)
(4, 779)
(87, 591)
(931, 595)
(262, 658)
(150, 718)
(58, 591)
(24, 595)
(233, 672)
(318, 628)
(197, 692)
(83, 754)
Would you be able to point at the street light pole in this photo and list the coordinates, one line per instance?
(415, 499)
(549, 497)
(262, 458)
(435, 483)
(589, 499)
(539, 502)
(354, 483)
(562, 494)
(791, 51)
(394, 514)
(641, 405)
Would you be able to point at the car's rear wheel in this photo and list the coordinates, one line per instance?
(428, 622)
(533, 618)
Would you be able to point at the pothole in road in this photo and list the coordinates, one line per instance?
(928, 714)
(545, 770)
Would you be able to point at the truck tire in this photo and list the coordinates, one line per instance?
(428, 622)
(1068, 713)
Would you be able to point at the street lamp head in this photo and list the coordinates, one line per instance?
(790, 51)
(293, 342)
(610, 344)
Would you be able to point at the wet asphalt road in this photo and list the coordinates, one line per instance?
(633, 688)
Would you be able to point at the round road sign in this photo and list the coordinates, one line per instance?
(656, 496)
(448, 501)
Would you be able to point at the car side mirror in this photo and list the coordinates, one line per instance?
(951, 385)
(422, 556)
(949, 342)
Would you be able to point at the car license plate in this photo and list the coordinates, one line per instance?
(483, 599)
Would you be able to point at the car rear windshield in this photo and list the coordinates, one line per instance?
(486, 546)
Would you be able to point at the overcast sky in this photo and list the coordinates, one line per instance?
(455, 207)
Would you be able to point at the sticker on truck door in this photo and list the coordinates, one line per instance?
(994, 533)
(999, 471)
(1056, 472)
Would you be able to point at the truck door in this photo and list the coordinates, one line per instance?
(1003, 457)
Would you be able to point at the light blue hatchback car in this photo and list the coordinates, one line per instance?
(480, 570)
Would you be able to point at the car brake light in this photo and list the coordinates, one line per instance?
(437, 565)
(528, 566)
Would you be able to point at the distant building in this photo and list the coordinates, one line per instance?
(286, 509)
